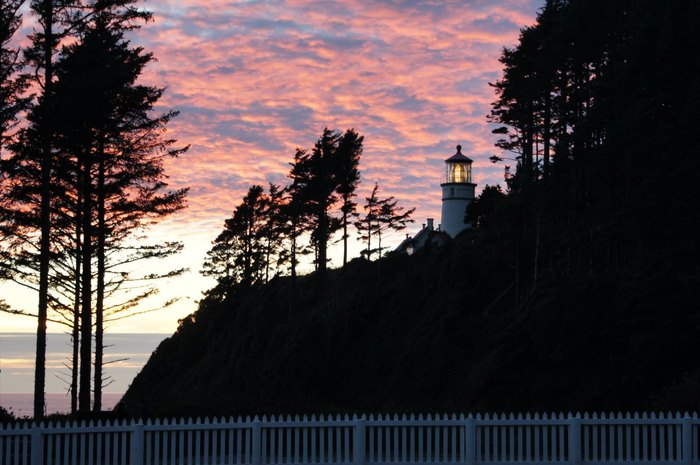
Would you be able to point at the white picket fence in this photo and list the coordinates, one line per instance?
(367, 440)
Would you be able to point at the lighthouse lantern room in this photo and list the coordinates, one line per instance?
(457, 192)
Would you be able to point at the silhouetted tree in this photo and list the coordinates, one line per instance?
(108, 134)
(105, 155)
(12, 85)
(240, 254)
(348, 177)
(483, 207)
(381, 215)
(368, 225)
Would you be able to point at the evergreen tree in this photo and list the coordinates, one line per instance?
(481, 210)
(117, 150)
(240, 254)
(348, 178)
(12, 85)
(381, 215)
(295, 212)
(106, 157)
(320, 179)
(368, 225)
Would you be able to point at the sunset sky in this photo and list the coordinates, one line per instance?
(253, 80)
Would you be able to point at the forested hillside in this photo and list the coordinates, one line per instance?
(579, 287)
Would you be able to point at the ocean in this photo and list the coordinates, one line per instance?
(125, 355)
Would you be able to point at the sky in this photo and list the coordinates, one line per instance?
(253, 80)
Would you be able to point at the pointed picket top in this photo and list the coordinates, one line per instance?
(695, 415)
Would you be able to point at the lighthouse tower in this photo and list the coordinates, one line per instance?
(457, 192)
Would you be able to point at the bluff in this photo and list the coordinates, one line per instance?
(428, 333)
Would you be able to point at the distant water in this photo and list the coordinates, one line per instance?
(22, 404)
(125, 355)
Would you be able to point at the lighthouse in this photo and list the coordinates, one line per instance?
(457, 192)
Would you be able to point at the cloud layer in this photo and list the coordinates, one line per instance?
(255, 79)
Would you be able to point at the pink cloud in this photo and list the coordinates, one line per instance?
(254, 80)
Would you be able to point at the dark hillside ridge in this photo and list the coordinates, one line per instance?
(419, 337)
(579, 288)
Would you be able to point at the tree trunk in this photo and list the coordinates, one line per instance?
(86, 312)
(322, 242)
(345, 238)
(45, 217)
(99, 303)
(547, 131)
(76, 307)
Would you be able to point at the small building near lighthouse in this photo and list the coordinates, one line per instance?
(458, 191)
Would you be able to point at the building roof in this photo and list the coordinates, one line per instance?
(459, 157)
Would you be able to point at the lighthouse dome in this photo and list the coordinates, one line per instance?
(459, 157)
